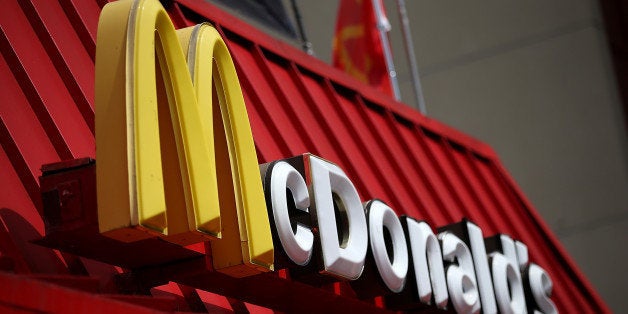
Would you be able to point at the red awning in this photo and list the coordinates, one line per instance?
(296, 104)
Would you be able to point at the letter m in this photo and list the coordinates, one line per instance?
(174, 149)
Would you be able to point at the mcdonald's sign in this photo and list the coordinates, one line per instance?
(173, 161)
(176, 159)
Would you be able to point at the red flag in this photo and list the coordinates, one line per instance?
(357, 48)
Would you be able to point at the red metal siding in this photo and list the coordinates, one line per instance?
(296, 104)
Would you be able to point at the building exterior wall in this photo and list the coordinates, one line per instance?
(295, 105)
(534, 80)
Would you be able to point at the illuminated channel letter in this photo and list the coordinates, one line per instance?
(394, 272)
(425, 253)
(540, 289)
(343, 255)
(508, 285)
(159, 161)
(461, 281)
(507, 276)
(482, 270)
(297, 244)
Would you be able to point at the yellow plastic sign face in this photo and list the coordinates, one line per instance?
(174, 149)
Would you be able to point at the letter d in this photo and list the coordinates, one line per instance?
(343, 256)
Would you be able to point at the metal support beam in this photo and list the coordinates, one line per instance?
(383, 26)
(408, 44)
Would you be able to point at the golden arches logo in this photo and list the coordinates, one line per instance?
(172, 162)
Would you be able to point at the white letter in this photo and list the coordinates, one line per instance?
(298, 245)
(380, 216)
(507, 283)
(329, 183)
(522, 255)
(506, 275)
(426, 251)
(485, 285)
(541, 287)
(461, 282)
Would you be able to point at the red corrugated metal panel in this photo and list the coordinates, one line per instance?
(296, 104)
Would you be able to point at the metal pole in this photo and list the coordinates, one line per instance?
(305, 44)
(383, 26)
(414, 68)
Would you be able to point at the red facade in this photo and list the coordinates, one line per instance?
(296, 104)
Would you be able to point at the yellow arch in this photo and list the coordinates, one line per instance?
(158, 159)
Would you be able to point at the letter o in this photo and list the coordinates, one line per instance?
(392, 273)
